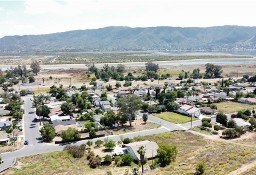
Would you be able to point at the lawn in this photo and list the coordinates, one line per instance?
(175, 117)
(230, 107)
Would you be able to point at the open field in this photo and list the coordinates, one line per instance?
(229, 107)
(197, 129)
(175, 117)
(220, 158)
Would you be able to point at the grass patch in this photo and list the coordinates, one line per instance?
(198, 129)
(175, 117)
(161, 72)
(230, 107)
(41, 90)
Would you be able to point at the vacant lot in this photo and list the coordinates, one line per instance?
(229, 107)
(174, 117)
(220, 158)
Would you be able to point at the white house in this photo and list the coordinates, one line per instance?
(150, 149)
(189, 110)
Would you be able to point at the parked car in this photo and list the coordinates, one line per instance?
(26, 142)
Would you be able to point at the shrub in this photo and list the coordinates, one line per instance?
(108, 159)
(247, 112)
(206, 124)
(75, 151)
(231, 124)
(207, 120)
(221, 118)
(92, 133)
(127, 159)
(200, 168)
(110, 144)
(89, 143)
(70, 134)
(231, 133)
(166, 154)
(90, 155)
(145, 117)
(118, 160)
(95, 161)
(98, 143)
(217, 127)
(127, 140)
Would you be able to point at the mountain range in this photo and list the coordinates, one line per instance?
(219, 38)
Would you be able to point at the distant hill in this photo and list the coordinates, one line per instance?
(219, 38)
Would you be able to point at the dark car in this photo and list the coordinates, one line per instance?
(26, 142)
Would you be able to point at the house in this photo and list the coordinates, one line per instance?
(241, 122)
(189, 110)
(105, 105)
(207, 110)
(61, 120)
(150, 149)
(251, 101)
(5, 124)
(4, 138)
(52, 105)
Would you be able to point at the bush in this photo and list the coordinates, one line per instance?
(92, 134)
(206, 124)
(127, 140)
(127, 159)
(200, 168)
(221, 118)
(89, 143)
(90, 155)
(166, 154)
(230, 133)
(207, 120)
(75, 151)
(70, 134)
(110, 144)
(231, 124)
(247, 112)
(217, 127)
(145, 117)
(98, 143)
(95, 161)
(108, 159)
(118, 160)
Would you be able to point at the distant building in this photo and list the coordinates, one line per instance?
(251, 101)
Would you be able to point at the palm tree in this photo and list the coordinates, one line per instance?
(141, 151)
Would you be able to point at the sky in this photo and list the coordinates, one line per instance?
(23, 17)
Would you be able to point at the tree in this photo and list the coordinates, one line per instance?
(166, 154)
(92, 68)
(145, 117)
(35, 66)
(172, 106)
(47, 132)
(70, 134)
(200, 168)
(128, 105)
(150, 66)
(89, 143)
(109, 119)
(67, 108)
(42, 110)
(231, 124)
(141, 151)
(31, 79)
(120, 68)
(127, 159)
(92, 133)
(108, 159)
(110, 144)
(213, 71)
(221, 118)
(127, 140)
(196, 74)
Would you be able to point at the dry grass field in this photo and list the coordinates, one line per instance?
(230, 107)
(220, 158)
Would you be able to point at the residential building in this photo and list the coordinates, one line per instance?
(149, 146)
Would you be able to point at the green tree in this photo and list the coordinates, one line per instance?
(70, 134)
(200, 168)
(213, 71)
(47, 132)
(231, 124)
(172, 106)
(67, 108)
(127, 159)
(110, 144)
(92, 133)
(145, 117)
(43, 110)
(31, 79)
(128, 105)
(150, 66)
(35, 66)
(141, 151)
(109, 119)
(221, 118)
(120, 68)
(98, 143)
(108, 159)
(166, 154)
